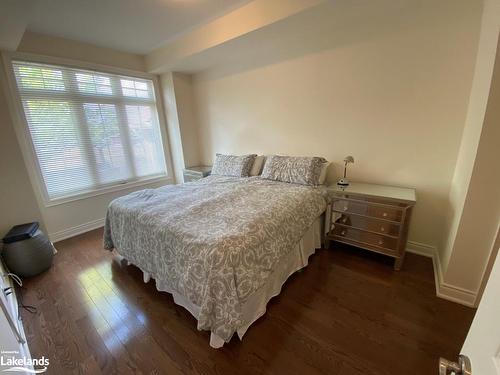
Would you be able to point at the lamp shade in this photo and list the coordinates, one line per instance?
(349, 159)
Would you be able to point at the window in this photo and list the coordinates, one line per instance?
(89, 130)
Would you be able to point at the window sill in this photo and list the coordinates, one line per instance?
(106, 190)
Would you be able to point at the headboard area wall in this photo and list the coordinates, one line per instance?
(386, 95)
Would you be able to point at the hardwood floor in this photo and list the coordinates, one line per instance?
(347, 313)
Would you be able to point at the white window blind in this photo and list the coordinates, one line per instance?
(89, 130)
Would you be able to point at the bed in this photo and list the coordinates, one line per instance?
(222, 246)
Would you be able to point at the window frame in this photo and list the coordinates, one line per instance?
(21, 127)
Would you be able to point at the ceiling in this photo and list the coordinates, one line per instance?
(136, 26)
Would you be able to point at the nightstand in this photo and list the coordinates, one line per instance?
(371, 217)
(195, 173)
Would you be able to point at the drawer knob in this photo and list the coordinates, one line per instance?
(384, 214)
(380, 242)
(344, 220)
(345, 208)
(382, 229)
(342, 233)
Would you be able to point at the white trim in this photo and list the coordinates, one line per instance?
(451, 292)
(421, 249)
(496, 362)
(24, 138)
(76, 230)
(109, 189)
(443, 290)
(76, 64)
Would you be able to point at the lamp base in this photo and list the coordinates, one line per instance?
(343, 182)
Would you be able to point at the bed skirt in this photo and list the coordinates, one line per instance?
(255, 306)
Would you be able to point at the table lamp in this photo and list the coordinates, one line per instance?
(344, 181)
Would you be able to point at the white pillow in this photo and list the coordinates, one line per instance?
(257, 165)
(324, 169)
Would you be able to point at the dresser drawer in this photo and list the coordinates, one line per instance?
(367, 209)
(370, 216)
(366, 223)
(372, 239)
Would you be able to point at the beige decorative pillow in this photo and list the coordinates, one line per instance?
(232, 165)
(257, 165)
(296, 170)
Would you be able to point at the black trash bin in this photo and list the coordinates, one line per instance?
(27, 251)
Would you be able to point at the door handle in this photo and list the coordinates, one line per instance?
(463, 366)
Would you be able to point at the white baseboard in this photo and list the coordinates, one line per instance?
(421, 249)
(76, 230)
(443, 289)
(451, 292)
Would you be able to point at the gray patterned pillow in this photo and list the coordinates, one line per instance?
(231, 165)
(296, 170)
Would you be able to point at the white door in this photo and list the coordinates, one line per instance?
(13, 344)
(482, 344)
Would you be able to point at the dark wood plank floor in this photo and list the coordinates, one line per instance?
(347, 313)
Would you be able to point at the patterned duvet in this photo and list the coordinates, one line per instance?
(214, 241)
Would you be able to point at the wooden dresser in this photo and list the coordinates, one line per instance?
(372, 217)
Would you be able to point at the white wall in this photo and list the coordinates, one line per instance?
(178, 101)
(17, 200)
(173, 124)
(465, 249)
(479, 219)
(70, 49)
(249, 17)
(187, 118)
(386, 84)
